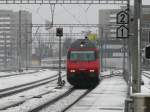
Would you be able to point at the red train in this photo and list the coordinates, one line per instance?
(83, 64)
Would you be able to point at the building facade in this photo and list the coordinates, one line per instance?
(15, 39)
(107, 19)
(111, 48)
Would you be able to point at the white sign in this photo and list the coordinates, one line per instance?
(122, 32)
(122, 18)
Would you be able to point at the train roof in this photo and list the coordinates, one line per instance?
(83, 43)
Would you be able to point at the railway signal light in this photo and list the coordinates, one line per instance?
(59, 31)
(147, 52)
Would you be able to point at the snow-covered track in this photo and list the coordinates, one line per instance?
(63, 101)
(110, 75)
(146, 74)
(21, 73)
(19, 88)
(56, 99)
(73, 103)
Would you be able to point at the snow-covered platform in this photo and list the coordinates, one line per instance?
(108, 96)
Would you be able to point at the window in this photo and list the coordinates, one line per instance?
(82, 55)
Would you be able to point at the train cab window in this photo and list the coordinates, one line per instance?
(82, 55)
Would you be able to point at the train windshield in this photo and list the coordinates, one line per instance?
(82, 55)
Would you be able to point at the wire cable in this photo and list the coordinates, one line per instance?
(74, 17)
(52, 7)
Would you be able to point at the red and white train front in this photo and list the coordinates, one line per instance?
(83, 65)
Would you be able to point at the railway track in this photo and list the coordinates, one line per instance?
(64, 101)
(23, 73)
(18, 89)
(51, 104)
(146, 74)
(112, 74)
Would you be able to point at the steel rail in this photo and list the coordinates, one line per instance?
(82, 96)
(32, 72)
(56, 99)
(147, 75)
(20, 88)
(62, 97)
(22, 101)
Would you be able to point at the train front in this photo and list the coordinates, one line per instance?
(83, 64)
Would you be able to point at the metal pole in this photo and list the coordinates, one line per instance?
(40, 51)
(105, 48)
(5, 51)
(129, 52)
(124, 50)
(136, 57)
(101, 52)
(128, 100)
(26, 43)
(19, 52)
(59, 77)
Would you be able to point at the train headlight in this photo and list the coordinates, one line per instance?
(72, 71)
(81, 45)
(92, 70)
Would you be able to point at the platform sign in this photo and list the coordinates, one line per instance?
(123, 21)
(122, 17)
(122, 32)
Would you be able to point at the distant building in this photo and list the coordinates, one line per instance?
(111, 48)
(15, 39)
(107, 20)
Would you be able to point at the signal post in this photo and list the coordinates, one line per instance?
(59, 33)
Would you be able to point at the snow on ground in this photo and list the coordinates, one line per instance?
(16, 72)
(105, 73)
(109, 96)
(35, 95)
(109, 72)
(33, 102)
(146, 87)
(7, 82)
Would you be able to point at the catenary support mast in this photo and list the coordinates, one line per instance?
(136, 47)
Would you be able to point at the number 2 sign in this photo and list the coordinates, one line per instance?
(122, 18)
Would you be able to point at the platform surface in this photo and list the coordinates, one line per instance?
(108, 96)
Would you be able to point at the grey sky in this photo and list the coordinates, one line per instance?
(64, 14)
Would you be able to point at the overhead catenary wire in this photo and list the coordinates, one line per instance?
(74, 17)
(86, 11)
(52, 7)
(80, 6)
